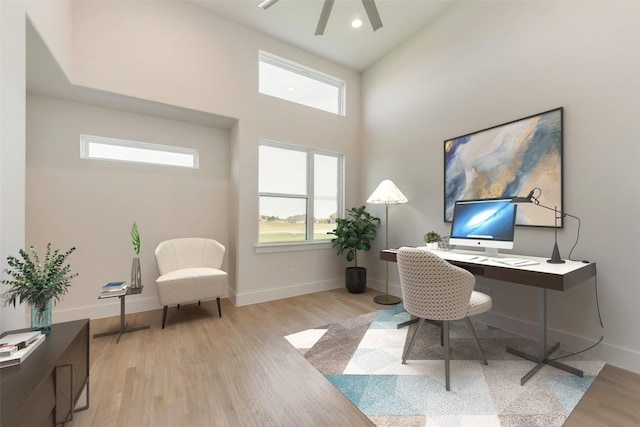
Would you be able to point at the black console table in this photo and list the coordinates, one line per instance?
(45, 389)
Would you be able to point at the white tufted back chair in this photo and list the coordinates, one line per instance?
(436, 290)
(189, 271)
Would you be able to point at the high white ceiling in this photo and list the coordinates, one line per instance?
(295, 21)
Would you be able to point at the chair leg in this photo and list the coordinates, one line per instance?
(475, 338)
(178, 306)
(164, 315)
(445, 327)
(198, 302)
(219, 309)
(413, 341)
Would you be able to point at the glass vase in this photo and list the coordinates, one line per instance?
(41, 319)
(136, 276)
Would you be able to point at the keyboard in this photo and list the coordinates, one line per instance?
(465, 257)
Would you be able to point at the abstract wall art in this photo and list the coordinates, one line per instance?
(509, 160)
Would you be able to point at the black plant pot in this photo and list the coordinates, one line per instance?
(356, 279)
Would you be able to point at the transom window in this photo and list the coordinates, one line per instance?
(99, 147)
(300, 192)
(294, 82)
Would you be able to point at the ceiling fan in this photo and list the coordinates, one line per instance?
(369, 7)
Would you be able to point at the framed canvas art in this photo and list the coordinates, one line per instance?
(509, 160)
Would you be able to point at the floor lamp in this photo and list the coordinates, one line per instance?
(387, 194)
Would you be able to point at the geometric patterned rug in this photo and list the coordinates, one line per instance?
(361, 357)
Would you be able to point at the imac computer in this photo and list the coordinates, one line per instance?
(484, 223)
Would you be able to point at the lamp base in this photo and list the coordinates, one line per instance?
(387, 299)
(555, 256)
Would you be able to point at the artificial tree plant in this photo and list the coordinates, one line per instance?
(355, 233)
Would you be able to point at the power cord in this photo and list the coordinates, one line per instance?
(595, 285)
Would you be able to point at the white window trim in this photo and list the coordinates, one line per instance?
(86, 140)
(307, 244)
(305, 71)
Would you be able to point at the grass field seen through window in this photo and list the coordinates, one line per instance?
(283, 231)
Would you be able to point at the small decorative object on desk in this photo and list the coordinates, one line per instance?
(431, 239)
(445, 245)
(136, 275)
(37, 283)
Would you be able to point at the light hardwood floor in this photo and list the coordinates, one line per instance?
(238, 370)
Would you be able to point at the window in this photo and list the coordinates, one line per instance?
(296, 83)
(300, 193)
(98, 147)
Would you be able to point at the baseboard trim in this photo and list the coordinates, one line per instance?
(287, 292)
(106, 308)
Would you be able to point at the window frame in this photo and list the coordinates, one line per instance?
(86, 140)
(310, 242)
(308, 72)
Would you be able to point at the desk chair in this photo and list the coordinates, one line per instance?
(436, 290)
(189, 272)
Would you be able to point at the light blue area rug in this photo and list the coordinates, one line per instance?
(361, 357)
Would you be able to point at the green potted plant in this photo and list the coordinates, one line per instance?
(38, 283)
(431, 239)
(355, 233)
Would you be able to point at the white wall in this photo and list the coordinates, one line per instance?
(181, 55)
(486, 63)
(12, 144)
(91, 204)
(173, 54)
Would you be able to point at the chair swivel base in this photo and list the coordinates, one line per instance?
(387, 299)
(545, 361)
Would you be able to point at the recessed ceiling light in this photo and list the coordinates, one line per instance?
(356, 23)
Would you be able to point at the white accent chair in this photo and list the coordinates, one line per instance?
(436, 290)
(189, 272)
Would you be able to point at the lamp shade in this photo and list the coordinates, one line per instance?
(387, 194)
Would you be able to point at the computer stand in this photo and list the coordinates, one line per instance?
(543, 352)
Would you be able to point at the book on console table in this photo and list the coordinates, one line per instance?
(26, 343)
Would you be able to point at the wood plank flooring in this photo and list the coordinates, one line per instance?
(238, 370)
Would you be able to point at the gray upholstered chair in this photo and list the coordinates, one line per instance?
(436, 290)
(189, 272)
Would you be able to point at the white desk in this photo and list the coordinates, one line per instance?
(543, 276)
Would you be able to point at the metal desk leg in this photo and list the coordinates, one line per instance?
(543, 353)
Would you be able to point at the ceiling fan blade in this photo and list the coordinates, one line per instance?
(324, 17)
(372, 13)
(266, 4)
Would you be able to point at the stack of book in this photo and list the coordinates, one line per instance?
(114, 289)
(15, 348)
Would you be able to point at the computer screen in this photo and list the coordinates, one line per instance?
(484, 223)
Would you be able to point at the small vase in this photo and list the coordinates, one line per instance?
(41, 320)
(136, 275)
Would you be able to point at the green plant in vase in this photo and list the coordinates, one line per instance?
(136, 275)
(38, 283)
